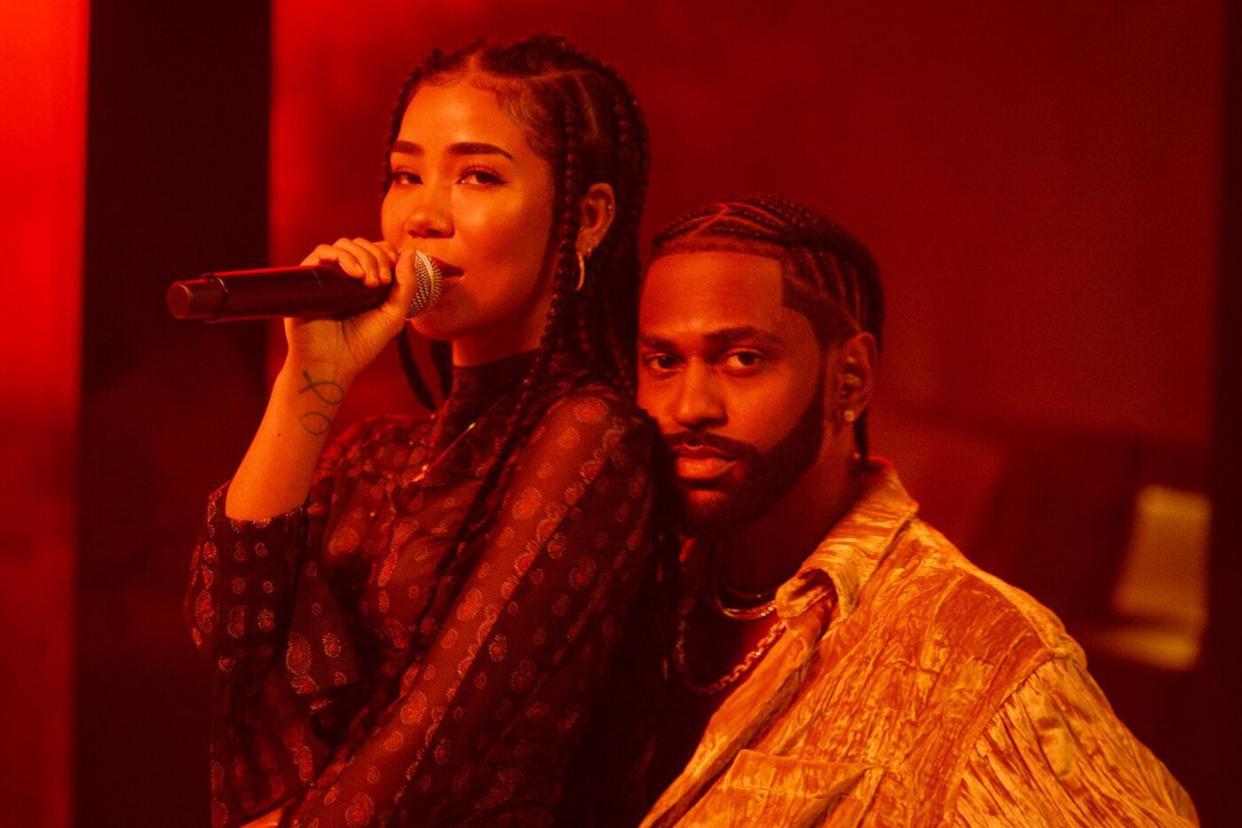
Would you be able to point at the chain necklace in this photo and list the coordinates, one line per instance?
(738, 671)
(439, 427)
(758, 604)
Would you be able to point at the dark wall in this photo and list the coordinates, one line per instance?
(1216, 726)
(176, 184)
(1037, 180)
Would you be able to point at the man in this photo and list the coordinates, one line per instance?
(834, 660)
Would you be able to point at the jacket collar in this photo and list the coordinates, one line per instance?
(828, 585)
(833, 576)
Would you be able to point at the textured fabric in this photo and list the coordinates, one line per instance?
(368, 676)
(914, 689)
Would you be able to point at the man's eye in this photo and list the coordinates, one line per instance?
(745, 360)
(660, 362)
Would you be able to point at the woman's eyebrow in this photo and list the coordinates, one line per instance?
(459, 148)
(477, 148)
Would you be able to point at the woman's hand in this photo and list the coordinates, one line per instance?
(345, 347)
(325, 355)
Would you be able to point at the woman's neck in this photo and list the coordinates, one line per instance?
(496, 343)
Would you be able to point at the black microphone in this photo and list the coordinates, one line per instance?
(274, 292)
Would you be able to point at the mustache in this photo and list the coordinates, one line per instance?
(700, 439)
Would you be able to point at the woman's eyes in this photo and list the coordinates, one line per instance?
(480, 176)
(473, 176)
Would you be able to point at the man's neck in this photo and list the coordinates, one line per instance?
(769, 551)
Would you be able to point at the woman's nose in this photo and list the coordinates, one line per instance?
(430, 215)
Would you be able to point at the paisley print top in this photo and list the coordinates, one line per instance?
(368, 672)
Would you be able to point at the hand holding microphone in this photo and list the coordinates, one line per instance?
(319, 290)
(341, 306)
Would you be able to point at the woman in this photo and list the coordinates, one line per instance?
(411, 626)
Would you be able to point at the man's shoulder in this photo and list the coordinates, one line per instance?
(932, 591)
(930, 652)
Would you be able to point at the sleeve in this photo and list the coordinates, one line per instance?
(1056, 754)
(481, 730)
(256, 600)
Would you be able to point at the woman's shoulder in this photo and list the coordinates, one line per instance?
(590, 408)
(590, 436)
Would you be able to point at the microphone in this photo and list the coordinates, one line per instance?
(274, 292)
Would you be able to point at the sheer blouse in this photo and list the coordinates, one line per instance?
(366, 674)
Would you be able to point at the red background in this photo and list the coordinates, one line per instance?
(42, 163)
(1039, 182)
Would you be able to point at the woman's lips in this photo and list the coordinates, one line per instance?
(450, 274)
(446, 269)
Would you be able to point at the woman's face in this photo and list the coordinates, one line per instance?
(467, 189)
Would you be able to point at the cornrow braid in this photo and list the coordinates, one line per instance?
(582, 118)
(828, 274)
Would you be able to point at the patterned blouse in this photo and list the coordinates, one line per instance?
(368, 676)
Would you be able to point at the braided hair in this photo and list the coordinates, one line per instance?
(827, 275)
(582, 118)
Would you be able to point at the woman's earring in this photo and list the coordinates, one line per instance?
(581, 273)
(849, 415)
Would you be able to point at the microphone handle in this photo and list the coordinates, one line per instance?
(272, 293)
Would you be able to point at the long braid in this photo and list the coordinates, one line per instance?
(413, 376)
(584, 120)
(554, 335)
(828, 269)
(613, 330)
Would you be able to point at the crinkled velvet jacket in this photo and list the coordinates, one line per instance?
(913, 689)
(366, 675)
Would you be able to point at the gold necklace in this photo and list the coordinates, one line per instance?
(432, 463)
(732, 676)
(765, 606)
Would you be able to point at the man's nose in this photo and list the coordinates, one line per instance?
(698, 403)
(431, 214)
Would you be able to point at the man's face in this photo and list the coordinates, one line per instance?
(735, 380)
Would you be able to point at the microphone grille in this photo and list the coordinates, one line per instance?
(428, 284)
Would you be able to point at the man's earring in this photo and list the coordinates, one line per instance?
(581, 273)
(849, 415)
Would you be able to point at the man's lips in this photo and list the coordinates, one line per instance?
(701, 469)
(701, 464)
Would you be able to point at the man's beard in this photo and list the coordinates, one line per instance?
(758, 479)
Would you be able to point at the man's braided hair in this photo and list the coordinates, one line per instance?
(582, 118)
(827, 274)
